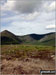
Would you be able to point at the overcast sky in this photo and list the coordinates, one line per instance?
(28, 16)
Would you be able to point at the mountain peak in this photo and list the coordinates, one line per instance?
(9, 38)
(5, 31)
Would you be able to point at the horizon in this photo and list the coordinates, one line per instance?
(27, 34)
(27, 17)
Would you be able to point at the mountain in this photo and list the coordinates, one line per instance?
(48, 39)
(44, 39)
(36, 39)
(9, 38)
(30, 38)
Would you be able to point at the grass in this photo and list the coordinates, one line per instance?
(22, 51)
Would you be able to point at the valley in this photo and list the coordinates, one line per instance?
(28, 54)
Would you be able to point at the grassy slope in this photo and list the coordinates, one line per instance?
(33, 39)
(22, 51)
(48, 39)
(45, 39)
(9, 38)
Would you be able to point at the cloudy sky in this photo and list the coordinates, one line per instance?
(28, 16)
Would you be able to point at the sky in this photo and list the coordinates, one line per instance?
(23, 17)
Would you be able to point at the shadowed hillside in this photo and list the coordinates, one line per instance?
(9, 38)
(44, 39)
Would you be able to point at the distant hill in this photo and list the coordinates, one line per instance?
(48, 39)
(44, 39)
(9, 38)
(30, 38)
(36, 39)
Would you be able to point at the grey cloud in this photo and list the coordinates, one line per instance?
(27, 6)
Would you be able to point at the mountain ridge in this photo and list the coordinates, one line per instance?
(48, 38)
(8, 38)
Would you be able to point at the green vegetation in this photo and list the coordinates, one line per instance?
(9, 38)
(30, 39)
(22, 51)
(32, 49)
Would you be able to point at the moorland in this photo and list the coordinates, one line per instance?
(28, 54)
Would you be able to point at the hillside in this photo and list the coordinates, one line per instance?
(9, 38)
(36, 39)
(48, 39)
(44, 39)
(30, 38)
